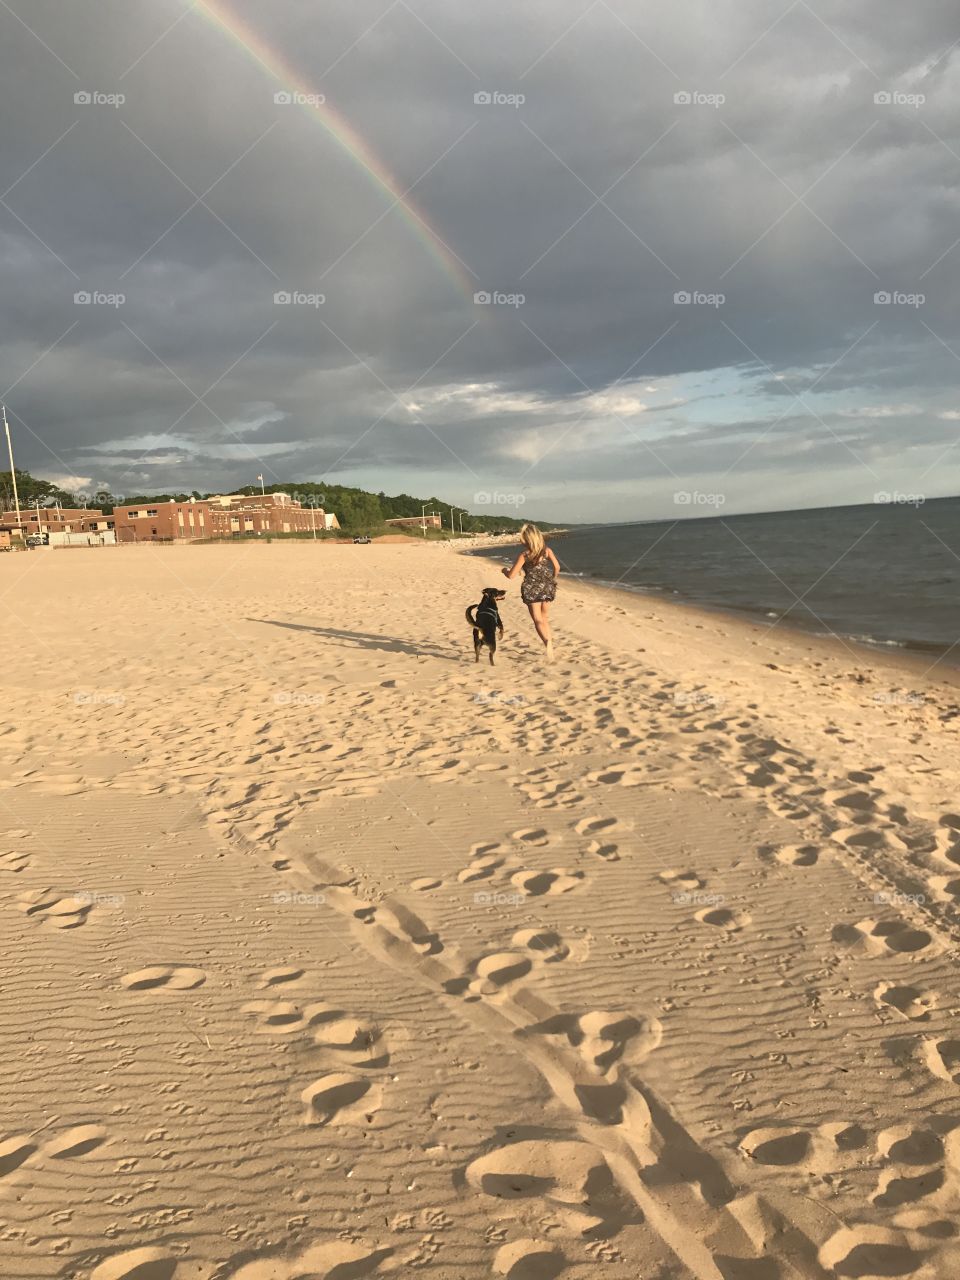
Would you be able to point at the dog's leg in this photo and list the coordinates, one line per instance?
(493, 647)
(476, 646)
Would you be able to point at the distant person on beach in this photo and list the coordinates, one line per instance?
(540, 572)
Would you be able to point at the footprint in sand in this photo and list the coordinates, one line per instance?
(909, 1002)
(354, 1038)
(528, 1260)
(855, 803)
(902, 1144)
(946, 888)
(784, 1146)
(59, 911)
(895, 1189)
(139, 1264)
(606, 852)
(549, 793)
(942, 1057)
(447, 769)
(859, 837)
(604, 1039)
(555, 881)
(424, 884)
(608, 1038)
(619, 775)
(676, 878)
(280, 976)
(882, 937)
(481, 868)
(531, 836)
(400, 924)
(723, 918)
(597, 827)
(72, 1143)
(340, 1098)
(275, 1017)
(798, 855)
(573, 1178)
(13, 1152)
(869, 1251)
(549, 947)
(164, 978)
(491, 975)
(499, 970)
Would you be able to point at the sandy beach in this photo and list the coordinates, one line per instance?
(329, 953)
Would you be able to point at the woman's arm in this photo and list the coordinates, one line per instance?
(554, 561)
(517, 564)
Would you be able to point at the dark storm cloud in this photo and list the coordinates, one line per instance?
(799, 198)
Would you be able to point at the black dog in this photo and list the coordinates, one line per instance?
(485, 620)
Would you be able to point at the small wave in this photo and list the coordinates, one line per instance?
(874, 641)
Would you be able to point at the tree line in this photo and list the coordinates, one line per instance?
(357, 509)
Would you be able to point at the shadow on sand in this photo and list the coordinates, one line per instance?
(365, 640)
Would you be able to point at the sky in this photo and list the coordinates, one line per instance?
(576, 261)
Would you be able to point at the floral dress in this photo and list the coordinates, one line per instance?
(539, 582)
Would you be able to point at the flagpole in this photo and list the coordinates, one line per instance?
(13, 473)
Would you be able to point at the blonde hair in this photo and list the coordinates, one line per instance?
(533, 542)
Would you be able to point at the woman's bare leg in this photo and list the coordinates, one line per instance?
(546, 635)
(538, 612)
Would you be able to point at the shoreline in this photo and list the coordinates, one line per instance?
(905, 661)
(914, 657)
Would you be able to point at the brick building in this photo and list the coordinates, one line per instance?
(56, 520)
(219, 516)
(418, 522)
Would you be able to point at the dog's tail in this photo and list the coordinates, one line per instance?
(470, 618)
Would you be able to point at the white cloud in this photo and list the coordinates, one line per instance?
(70, 483)
(882, 411)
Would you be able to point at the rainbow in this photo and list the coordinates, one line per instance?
(219, 15)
